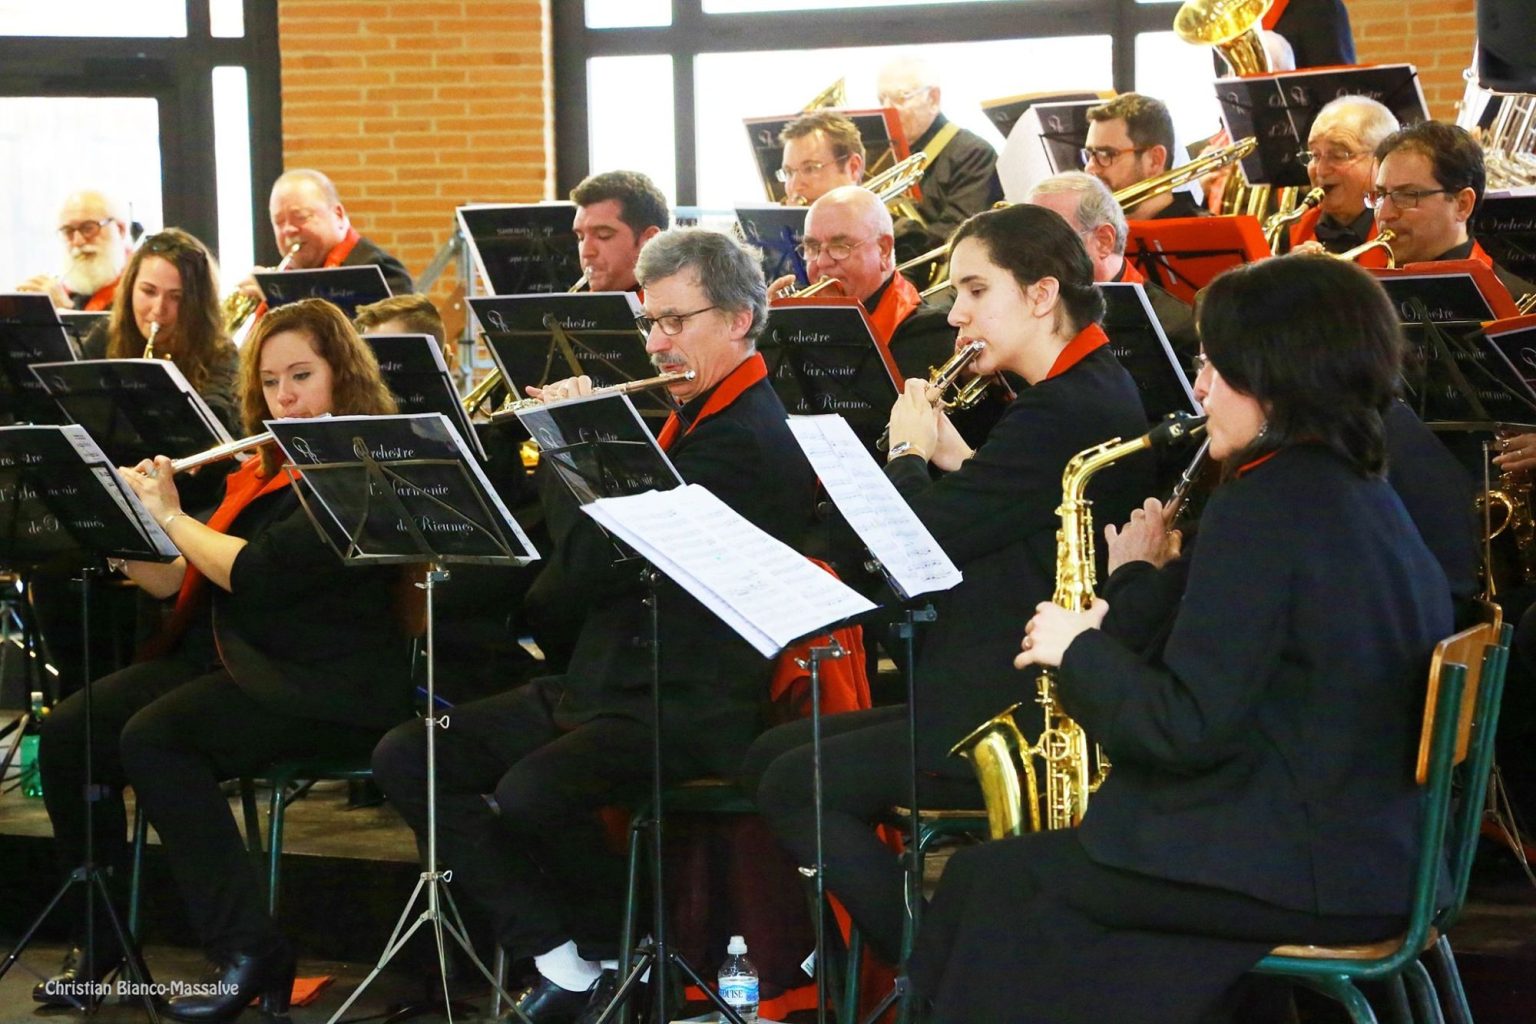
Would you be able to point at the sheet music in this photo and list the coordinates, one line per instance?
(873, 507)
(762, 588)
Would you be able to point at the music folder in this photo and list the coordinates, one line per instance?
(538, 339)
(1046, 139)
(1005, 112)
(30, 332)
(391, 488)
(823, 357)
(520, 248)
(79, 323)
(60, 495)
(1140, 343)
(134, 408)
(777, 231)
(1505, 226)
(1183, 254)
(1467, 375)
(885, 144)
(1447, 291)
(1278, 110)
(599, 447)
(417, 375)
(343, 287)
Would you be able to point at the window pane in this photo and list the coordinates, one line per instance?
(752, 6)
(44, 141)
(733, 86)
(630, 123)
(232, 168)
(628, 13)
(161, 18)
(226, 18)
(1180, 74)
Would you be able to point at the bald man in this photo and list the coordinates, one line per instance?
(1340, 160)
(306, 209)
(961, 175)
(93, 228)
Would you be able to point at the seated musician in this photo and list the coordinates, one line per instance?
(551, 752)
(95, 231)
(412, 313)
(1340, 158)
(1024, 284)
(1254, 798)
(306, 210)
(1130, 139)
(617, 212)
(276, 650)
(822, 150)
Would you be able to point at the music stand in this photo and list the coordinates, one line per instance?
(885, 144)
(1448, 290)
(30, 332)
(519, 248)
(777, 231)
(1183, 254)
(394, 490)
(343, 287)
(58, 495)
(1505, 226)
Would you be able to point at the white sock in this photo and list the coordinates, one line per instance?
(564, 966)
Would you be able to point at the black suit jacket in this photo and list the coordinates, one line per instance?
(960, 181)
(996, 518)
(714, 683)
(365, 252)
(1273, 755)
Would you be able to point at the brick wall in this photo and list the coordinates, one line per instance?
(1434, 35)
(416, 106)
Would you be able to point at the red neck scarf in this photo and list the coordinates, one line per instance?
(1273, 15)
(1249, 467)
(1088, 339)
(1479, 254)
(1128, 273)
(102, 299)
(747, 373)
(343, 249)
(898, 302)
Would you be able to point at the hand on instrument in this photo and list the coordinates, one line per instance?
(1146, 538)
(781, 287)
(951, 449)
(1312, 247)
(249, 285)
(48, 285)
(915, 420)
(155, 484)
(1517, 452)
(1052, 631)
(556, 391)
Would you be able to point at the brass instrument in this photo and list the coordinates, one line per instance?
(811, 289)
(228, 450)
(834, 95)
(892, 185)
(476, 396)
(149, 343)
(1231, 26)
(1382, 241)
(997, 748)
(1133, 196)
(582, 282)
(945, 377)
(1526, 303)
(628, 387)
(1509, 140)
(238, 306)
(1275, 226)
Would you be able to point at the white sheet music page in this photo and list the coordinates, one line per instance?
(764, 589)
(873, 507)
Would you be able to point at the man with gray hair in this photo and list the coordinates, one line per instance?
(94, 229)
(553, 751)
(1339, 158)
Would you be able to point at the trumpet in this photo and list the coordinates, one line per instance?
(238, 306)
(627, 387)
(149, 343)
(1382, 241)
(1276, 224)
(814, 288)
(944, 377)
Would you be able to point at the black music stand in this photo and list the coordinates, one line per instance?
(394, 490)
(343, 287)
(61, 495)
(30, 332)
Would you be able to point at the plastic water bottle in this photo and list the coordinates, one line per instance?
(738, 980)
(31, 778)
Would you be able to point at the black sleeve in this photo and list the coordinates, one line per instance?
(969, 187)
(285, 558)
(1143, 600)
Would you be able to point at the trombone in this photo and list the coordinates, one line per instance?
(1133, 196)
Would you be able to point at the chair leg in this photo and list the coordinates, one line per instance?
(1421, 992)
(849, 1008)
(1454, 997)
(1342, 990)
(136, 876)
(277, 811)
(499, 971)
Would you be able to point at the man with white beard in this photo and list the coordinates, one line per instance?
(94, 229)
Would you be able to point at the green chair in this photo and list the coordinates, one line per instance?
(1466, 674)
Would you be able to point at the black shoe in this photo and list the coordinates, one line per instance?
(78, 981)
(233, 982)
(548, 1003)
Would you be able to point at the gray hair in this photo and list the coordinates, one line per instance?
(315, 178)
(1095, 202)
(731, 273)
(1372, 121)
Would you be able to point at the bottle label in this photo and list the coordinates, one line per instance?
(739, 991)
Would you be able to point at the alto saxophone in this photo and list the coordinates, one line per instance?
(997, 749)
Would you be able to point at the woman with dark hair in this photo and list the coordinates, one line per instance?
(275, 650)
(1261, 790)
(171, 281)
(1024, 284)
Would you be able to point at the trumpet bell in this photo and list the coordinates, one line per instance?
(1231, 26)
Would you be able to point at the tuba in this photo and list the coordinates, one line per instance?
(1231, 26)
(997, 749)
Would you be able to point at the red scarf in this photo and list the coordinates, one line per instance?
(339, 252)
(241, 487)
(898, 302)
(102, 299)
(1273, 15)
(1479, 254)
(1249, 467)
(1089, 338)
(1128, 273)
(747, 373)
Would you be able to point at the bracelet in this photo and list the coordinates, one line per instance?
(165, 524)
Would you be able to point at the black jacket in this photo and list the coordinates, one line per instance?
(960, 181)
(1273, 755)
(996, 518)
(366, 253)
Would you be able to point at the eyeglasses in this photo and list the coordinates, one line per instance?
(836, 251)
(1404, 198)
(1106, 155)
(671, 324)
(1200, 363)
(896, 99)
(1332, 156)
(808, 170)
(86, 229)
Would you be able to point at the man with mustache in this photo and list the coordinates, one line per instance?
(94, 229)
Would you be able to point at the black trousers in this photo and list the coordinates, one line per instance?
(515, 802)
(173, 728)
(865, 772)
(1032, 930)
